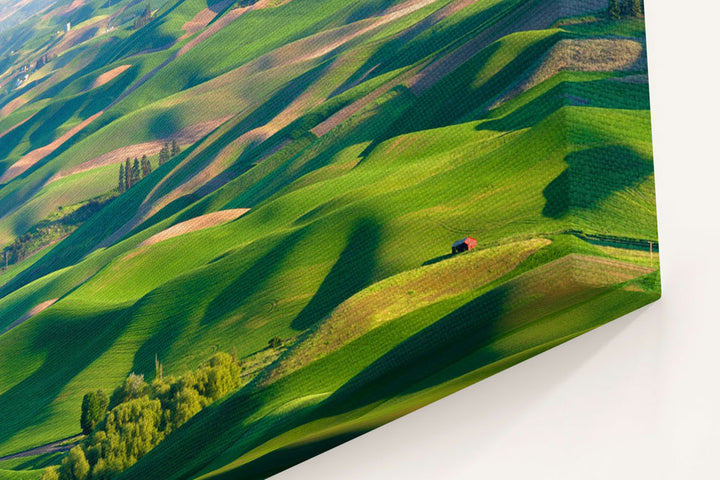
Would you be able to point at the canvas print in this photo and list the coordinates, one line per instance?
(237, 233)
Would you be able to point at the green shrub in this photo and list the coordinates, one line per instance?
(134, 387)
(74, 466)
(50, 474)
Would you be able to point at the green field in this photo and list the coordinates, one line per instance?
(330, 153)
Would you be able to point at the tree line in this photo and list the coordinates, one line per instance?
(168, 151)
(132, 172)
(138, 415)
(626, 8)
(144, 18)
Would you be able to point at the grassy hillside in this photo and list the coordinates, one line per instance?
(328, 157)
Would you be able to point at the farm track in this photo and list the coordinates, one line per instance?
(54, 447)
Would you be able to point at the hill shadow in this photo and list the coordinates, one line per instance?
(410, 46)
(599, 94)
(44, 127)
(446, 341)
(166, 334)
(71, 344)
(432, 349)
(352, 272)
(592, 176)
(254, 279)
(259, 117)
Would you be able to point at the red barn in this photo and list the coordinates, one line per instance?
(467, 243)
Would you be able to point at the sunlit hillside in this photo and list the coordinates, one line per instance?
(252, 205)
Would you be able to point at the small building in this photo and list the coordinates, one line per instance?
(467, 243)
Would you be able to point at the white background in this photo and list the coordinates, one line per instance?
(636, 399)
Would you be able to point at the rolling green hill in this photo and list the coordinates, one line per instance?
(329, 153)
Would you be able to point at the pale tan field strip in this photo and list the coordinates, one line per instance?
(195, 224)
(31, 313)
(22, 165)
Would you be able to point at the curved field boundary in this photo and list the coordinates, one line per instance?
(16, 125)
(31, 313)
(195, 224)
(186, 136)
(13, 105)
(538, 15)
(203, 18)
(30, 159)
(335, 39)
(582, 55)
(106, 77)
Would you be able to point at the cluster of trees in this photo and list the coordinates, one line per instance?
(57, 226)
(43, 60)
(168, 151)
(144, 18)
(626, 8)
(139, 415)
(132, 173)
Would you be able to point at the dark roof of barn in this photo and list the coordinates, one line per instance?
(460, 242)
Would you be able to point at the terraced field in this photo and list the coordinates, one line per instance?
(325, 156)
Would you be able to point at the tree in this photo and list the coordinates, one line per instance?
(145, 166)
(142, 415)
(134, 387)
(164, 154)
(175, 149)
(615, 10)
(220, 375)
(121, 179)
(144, 18)
(135, 172)
(636, 8)
(128, 182)
(75, 466)
(94, 406)
(50, 473)
(184, 405)
(135, 428)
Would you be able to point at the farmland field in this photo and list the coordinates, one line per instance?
(226, 226)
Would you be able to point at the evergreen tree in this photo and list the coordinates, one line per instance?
(164, 154)
(135, 173)
(175, 148)
(145, 165)
(128, 182)
(121, 179)
(144, 18)
(615, 10)
(636, 8)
